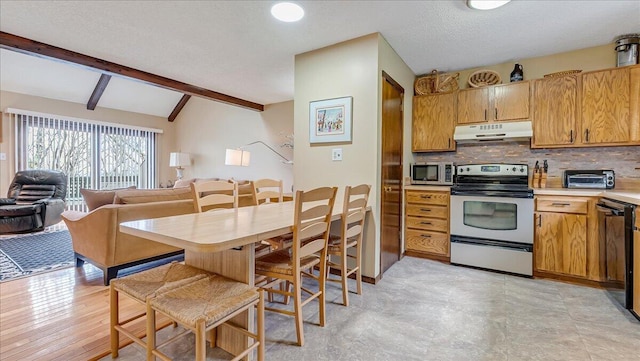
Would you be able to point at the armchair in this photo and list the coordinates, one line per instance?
(34, 201)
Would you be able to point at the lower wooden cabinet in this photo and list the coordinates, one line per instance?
(636, 265)
(566, 238)
(427, 223)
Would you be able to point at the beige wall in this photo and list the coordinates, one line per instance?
(599, 57)
(352, 68)
(205, 129)
(58, 107)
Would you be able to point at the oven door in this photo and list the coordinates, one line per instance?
(492, 218)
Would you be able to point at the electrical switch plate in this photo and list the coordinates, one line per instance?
(3, 156)
(336, 154)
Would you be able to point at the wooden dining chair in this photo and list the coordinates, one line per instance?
(354, 209)
(312, 218)
(212, 195)
(141, 287)
(264, 190)
(203, 305)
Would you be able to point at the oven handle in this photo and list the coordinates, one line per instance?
(490, 243)
(608, 209)
(492, 194)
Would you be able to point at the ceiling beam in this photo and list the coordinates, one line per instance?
(179, 106)
(97, 91)
(32, 47)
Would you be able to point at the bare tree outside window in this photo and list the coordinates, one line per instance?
(91, 155)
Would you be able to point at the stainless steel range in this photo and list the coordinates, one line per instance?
(492, 218)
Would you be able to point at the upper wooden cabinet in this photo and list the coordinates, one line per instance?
(494, 103)
(434, 120)
(598, 108)
(554, 111)
(607, 105)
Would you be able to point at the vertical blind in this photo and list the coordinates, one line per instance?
(92, 154)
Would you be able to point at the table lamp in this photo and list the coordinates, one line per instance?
(179, 160)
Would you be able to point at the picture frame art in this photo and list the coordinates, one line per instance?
(330, 120)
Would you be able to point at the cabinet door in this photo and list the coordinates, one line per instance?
(473, 105)
(433, 123)
(561, 243)
(511, 101)
(554, 111)
(605, 107)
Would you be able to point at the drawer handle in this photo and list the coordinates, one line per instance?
(428, 223)
(426, 235)
(558, 204)
(425, 209)
(425, 196)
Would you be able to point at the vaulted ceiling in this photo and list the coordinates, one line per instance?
(237, 48)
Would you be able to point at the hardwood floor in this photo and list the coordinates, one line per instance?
(59, 315)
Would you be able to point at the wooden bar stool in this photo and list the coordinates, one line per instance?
(354, 209)
(203, 305)
(140, 287)
(312, 218)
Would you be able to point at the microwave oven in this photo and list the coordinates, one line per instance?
(432, 173)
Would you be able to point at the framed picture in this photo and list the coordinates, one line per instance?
(330, 120)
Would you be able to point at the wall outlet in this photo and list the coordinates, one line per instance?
(3, 156)
(336, 154)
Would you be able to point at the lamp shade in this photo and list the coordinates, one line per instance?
(179, 159)
(237, 157)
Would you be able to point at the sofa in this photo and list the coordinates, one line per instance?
(96, 235)
(35, 200)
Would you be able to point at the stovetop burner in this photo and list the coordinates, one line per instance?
(496, 180)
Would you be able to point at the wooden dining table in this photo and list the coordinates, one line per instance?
(223, 242)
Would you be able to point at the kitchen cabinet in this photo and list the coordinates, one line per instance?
(610, 101)
(434, 120)
(598, 108)
(566, 238)
(506, 102)
(427, 223)
(555, 111)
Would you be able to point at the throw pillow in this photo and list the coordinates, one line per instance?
(181, 183)
(96, 198)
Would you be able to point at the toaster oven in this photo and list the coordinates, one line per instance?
(597, 179)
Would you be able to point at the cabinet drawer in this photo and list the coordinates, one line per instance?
(545, 204)
(428, 198)
(427, 210)
(440, 225)
(425, 241)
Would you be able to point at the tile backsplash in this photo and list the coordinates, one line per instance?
(625, 161)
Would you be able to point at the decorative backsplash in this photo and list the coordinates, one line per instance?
(625, 161)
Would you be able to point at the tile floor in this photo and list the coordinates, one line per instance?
(426, 310)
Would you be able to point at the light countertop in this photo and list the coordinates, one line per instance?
(427, 188)
(629, 196)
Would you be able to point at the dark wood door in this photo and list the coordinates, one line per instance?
(392, 125)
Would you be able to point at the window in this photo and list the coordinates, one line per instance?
(92, 154)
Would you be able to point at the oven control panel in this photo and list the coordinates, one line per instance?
(492, 169)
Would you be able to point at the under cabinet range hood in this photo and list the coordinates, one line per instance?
(515, 131)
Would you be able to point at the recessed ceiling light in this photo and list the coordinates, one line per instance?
(486, 4)
(287, 12)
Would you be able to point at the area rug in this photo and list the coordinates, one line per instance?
(26, 255)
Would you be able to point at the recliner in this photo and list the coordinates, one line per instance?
(35, 200)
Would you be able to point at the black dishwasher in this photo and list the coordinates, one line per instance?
(616, 224)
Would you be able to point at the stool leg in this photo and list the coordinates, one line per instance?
(260, 330)
(201, 342)
(151, 332)
(113, 321)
